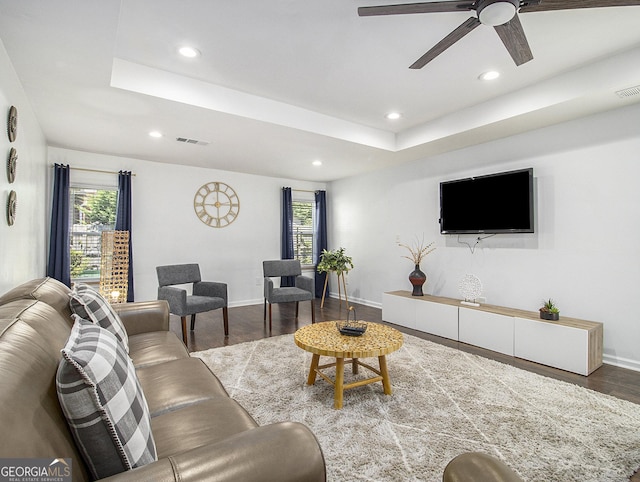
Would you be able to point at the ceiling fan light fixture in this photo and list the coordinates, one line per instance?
(497, 12)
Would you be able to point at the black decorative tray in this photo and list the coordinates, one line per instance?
(351, 327)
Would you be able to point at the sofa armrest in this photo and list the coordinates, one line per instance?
(282, 452)
(144, 316)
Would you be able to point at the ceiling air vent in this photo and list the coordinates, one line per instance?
(630, 92)
(186, 140)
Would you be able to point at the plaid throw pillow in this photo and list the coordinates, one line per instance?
(102, 400)
(88, 304)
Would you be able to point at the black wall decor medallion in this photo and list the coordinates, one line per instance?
(12, 124)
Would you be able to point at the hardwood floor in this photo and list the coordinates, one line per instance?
(246, 324)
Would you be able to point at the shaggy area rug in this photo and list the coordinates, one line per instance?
(445, 402)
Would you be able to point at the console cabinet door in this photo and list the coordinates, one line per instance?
(398, 310)
(437, 318)
(487, 330)
(552, 344)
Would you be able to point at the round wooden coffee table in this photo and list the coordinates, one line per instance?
(324, 339)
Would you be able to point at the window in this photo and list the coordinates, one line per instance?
(303, 240)
(92, 210)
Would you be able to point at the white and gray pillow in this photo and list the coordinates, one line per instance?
(102, 400)
(88, 304)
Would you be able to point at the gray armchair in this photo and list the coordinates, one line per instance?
(206, 295)
(303, 290)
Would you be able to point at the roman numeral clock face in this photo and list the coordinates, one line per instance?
(216, 204)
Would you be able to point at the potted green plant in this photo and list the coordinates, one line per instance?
(549, 310)
(338, 262)
(334, 261)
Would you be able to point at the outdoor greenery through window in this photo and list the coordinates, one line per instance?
(92, 211)
(303, 213)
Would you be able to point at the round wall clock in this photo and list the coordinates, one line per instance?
(11, 208)
(12, 124)
(12, 163)
(216, 204)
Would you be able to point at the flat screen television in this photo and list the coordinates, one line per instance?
(496, 203)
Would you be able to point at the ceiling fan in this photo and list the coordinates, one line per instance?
(502, 15)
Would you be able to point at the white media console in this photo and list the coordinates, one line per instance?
(569, 344)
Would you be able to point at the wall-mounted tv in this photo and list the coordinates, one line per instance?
(497, 203)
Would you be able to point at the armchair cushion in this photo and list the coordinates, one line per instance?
(102, 400)
(88, 304)
(287, 294)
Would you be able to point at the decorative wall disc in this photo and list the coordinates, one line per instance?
(12, 124)
(470, 287)
(11, 208)
(216, 204)
(12, 164)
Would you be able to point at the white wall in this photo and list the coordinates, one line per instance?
(166, 229)
(585, 253)
(22, 246)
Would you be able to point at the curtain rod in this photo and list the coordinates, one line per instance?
(306, 190)
(93, 170)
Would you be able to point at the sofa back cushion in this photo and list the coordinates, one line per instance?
(89, 305)
(103, 402)
(31, 336)
(49, 290)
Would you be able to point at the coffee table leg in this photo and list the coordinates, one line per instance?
(315, 360)
(338, 388)
(386, 381)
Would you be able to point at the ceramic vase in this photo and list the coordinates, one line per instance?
(417, 279)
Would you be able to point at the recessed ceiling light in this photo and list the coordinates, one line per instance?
(155, 134)
(393, 115)
(490, 75)
(189, 52)
(317, 163)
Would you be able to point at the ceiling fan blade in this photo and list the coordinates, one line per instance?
(446, 42)
(424, 7)
(546, 5)
(514, 39)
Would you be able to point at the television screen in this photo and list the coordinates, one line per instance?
(497, 203)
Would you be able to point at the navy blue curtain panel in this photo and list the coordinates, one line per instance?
(123, 219)
(59, 262)
(320, 235)
(287, 233)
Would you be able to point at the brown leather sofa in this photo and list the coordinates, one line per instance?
(201, 434)
(478, 467)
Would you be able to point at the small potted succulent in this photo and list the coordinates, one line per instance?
(549, 310)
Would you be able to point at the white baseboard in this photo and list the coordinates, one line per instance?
(234, 304)
(621, 362)
(360, 301)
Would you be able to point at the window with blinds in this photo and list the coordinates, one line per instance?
(303, 239)
(92, 210)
